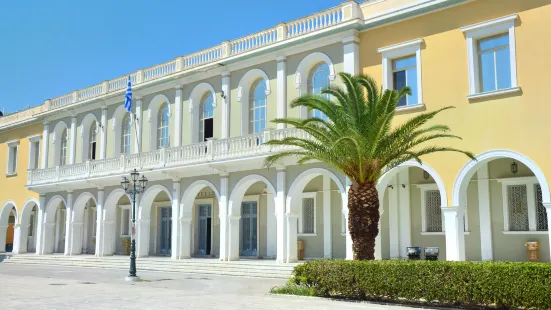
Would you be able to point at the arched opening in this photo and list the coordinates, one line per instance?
(8, 218)
(55, 228)
(318, 80)
(84, 225)
(155, 222)
(29, 225)
(159, 113)
(316, 216)
(199, 224)
(411, 197)
(206, 111)
(162, 129)
(504, 193)
(63, 148)
(314, 73)
(258, 107)
(125, 134)
(253, 91)
(252, 226)
(89, 137)
(59, 142)
(121, 124)
(117, 224)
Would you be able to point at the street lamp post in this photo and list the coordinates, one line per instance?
(138, 186)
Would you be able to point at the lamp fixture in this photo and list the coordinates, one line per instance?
(426, 175)
(390, 186)
(514, 168)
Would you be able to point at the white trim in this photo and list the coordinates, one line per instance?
(426, 233)
(494, 93)
(34, 152)
(530, 183)
(305, 67)
(400, 50)
(424, 189)
(530, 232)
(411, 107)
(300, 219)
(473, 33)
(125, 207)
(11, 160)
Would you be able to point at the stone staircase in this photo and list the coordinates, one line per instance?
(207, 266)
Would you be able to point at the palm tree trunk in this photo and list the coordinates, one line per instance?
(363, 219)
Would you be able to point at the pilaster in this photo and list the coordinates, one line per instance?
(281, 234)
(175, 218)
(101, 243)
(40, 226)
(103, 133)
(455, 234)
(484, 213)
(351, 59)
(68, 226)
(138, 125)
(281, 89)
(45, 145)
(73, 140)
(327, 223)
(223, 216)
(226, 101)
(178, 117)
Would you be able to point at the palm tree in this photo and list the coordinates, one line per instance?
(358, 139)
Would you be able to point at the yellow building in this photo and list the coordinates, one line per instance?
(202, 120)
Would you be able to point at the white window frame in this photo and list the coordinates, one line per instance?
(530, 183)
(34, 151)
(397, 51)
(13, 148)
(129, 232)
(300, 219)
(473, 34)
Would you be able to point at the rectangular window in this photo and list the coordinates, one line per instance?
(404, 73)
(11, 167)
(433, 211)
(518, 208)
(308, 216)
(125, 222)
(36, 155)
(495, 63)
(541, 213)
(31, 226)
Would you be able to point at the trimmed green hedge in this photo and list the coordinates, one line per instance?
(474, 284)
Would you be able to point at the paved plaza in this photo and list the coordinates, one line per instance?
(47, 287)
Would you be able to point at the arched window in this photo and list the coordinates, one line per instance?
(257, 110)
(63, 149)
(92, 148)
(125, 135)
(318, 81)
(162, 132)
(207, 117)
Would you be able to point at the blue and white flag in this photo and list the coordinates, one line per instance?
(128, 97)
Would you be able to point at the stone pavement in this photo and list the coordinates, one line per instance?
(37, 287)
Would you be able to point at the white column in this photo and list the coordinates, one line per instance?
(292, 249)
(45, 145)
(351, 57)
(103, 137)
(281, 89)
(77, 229)
(68, 226)
(223, 216)
(21, 234)
(73, 140)
(233, 237)
(271, 227)
(327, 227)
(142, 238)
(100, 226)
(455, 235)
(185, 237)
(86, 228)
(178, 118)
(40, 227)
(485, 214)
(280, 211)
(548, 209)
(138, 125)
(404, 212)
(393, 220)
(175, 219)
(344, 198)
(226, 88)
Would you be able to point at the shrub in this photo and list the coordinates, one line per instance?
(474, 284)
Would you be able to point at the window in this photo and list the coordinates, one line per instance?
(433, 211)
(207, 117)
(31, 226)
(523, 209)
(257, 111)
(34, 154)
(125, 222)
(63, 149)
(492, 57)
(401, 68)
(318, 82)
(162, 131)
(307, 215)
(11, 167)
(125, 134)
(93, 221)
(92, 147)
(404, 73)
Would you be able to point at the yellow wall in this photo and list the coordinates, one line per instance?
(518, 122)
(13, 187)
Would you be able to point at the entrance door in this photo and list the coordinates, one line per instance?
(204, 229)
(249, 216)
(165, 225)
(61, 229)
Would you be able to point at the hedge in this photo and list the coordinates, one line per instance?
(466, 284)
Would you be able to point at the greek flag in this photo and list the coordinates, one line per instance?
(128, 97)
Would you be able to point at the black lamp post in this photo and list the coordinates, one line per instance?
(138, 186)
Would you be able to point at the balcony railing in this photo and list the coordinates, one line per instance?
(213, 150)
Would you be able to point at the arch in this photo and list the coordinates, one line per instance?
(110, 204)
(27, 210)
(470, 168)
(303, 179)
(146, 200)
(188, 198)
(243, 94)
(383, 181)
(306, 65)
(239, 190)
(116, 125)
(80, 204)
(153, 117)
(51, 208)
(5, 212)
(57, 135)
(85, 126)
(195, 98)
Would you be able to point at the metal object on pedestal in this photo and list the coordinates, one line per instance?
(414, 252)
(533, 251)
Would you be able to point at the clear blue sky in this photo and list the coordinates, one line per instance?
(50, 48)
